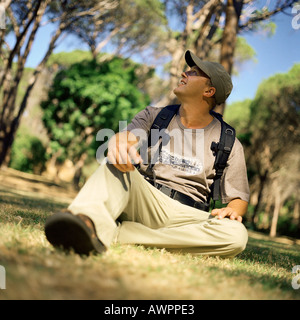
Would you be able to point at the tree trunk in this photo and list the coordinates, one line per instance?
(5, 147)
(204, 44)
(228, 44)
(32, 82)
(263, 179)
(278, 204)
(178, 47)
(9, 122)
(78, 170)
(296, 216)
(9, 133)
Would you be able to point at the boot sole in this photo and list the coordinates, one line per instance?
(68, 232)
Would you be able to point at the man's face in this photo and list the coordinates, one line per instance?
(193, 83)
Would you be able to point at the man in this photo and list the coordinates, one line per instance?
(118, 204)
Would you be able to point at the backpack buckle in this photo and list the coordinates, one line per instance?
(214, 146)
(229, 131)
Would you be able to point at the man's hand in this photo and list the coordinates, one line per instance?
(226, 212)
(122, 151)
(235, 209)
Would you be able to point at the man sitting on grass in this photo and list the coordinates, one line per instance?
(165, 206)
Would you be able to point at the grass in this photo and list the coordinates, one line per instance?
(35, 270)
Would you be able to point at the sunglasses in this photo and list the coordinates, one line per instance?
(193, 73)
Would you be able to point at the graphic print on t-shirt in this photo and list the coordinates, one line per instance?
(191, 166)
(184, 151)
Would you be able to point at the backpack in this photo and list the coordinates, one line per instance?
(221, 149)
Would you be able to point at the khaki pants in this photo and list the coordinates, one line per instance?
(151, 218)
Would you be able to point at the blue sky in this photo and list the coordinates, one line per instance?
(275, 54)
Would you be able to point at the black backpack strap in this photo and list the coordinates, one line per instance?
(222, 151)
(161, 122)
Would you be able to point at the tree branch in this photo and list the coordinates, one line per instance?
(20, 38)
(265, 15)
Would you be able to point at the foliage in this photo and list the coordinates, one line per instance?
(66, 59)
(243, 52)
(283, 89)
(139, 33)
(25, 19)
(269, 128)
(237, 114)
(273, 155)
(123, 23)
(272, 117)
(87, 97)
(275, 118)
(28, 153)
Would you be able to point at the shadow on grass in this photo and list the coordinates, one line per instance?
(16, 208)
(272, 253)
(26, 178)
(14, 198)
(269, 263)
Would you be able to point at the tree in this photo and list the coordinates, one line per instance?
(198, 25)
(85, 98)
(28, 153)
(268, 127)
(274, 152)
(25, 20)
(126, 26)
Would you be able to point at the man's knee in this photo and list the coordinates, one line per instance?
(239, 238)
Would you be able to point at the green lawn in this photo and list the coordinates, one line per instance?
(35, 270)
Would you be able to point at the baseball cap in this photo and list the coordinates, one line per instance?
(219, 77)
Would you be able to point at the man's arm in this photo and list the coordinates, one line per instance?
(235, 209)
(122, 151)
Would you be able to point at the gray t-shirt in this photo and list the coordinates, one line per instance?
(186, 160)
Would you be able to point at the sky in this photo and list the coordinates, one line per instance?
(275, 54)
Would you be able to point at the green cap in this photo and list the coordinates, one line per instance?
(219, 77)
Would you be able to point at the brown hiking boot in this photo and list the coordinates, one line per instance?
(77, 232)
